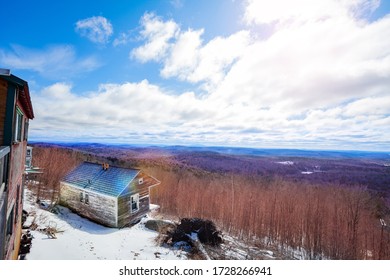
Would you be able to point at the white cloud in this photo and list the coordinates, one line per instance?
(157, 35)
(54, 62)
(122, 39)
(304, 11)
(129, 107)
(183, 53)
(312, 65)
(191, 61)
(97, 29)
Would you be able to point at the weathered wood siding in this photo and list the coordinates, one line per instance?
(101, 208)
(125, 217)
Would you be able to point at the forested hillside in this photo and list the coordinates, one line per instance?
(328, 208)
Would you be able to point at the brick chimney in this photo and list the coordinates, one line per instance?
(105, 166)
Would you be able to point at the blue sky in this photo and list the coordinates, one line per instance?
(237, 73)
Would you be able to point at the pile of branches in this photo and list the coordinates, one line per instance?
(186, 234)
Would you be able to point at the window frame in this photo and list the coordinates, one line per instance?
(84, 197)
(25, 130)
(134, 199)
(10, 222)
(18, 133)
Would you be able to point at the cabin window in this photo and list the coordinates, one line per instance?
(18, 125)
(134, 201)
(84, 197)
(140, 181)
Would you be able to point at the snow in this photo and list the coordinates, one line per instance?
(81, 239)
(306, 172)
(285, 162)
(78, 238)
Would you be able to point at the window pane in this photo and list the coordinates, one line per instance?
(18, 125)
(25, 130)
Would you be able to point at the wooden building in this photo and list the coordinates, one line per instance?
(111, 196)
(15, 112)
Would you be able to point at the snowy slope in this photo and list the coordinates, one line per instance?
(81, 239)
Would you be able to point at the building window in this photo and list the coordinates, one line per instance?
(25, 137)
(140, 181)
(134, 201)
(10, 222)
(18, 125)
(84, 197)
(17, 201)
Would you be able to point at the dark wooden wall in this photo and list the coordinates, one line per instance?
(125, 217)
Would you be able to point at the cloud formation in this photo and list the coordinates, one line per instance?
(54, 62)
(320, 79)
(183, 53)
(282, 12)
(157, 35)
(96, 29)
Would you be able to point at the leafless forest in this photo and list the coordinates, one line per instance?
(325, 219)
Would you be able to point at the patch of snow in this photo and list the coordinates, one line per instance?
(285, 162)
(306, 172)
(154, 207)
(81, 239)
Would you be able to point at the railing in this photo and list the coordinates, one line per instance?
(4, 151)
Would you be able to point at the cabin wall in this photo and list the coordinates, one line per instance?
(125, 217)
(101, 209)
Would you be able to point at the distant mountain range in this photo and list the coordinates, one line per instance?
(262, 152)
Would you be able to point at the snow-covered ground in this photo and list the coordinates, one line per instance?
(78, 238)
(81, 239)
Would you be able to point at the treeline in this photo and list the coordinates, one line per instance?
(54, 163)
(321, 220)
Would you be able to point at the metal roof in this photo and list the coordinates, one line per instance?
(92, 176)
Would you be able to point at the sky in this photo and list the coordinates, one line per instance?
(281, 74)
